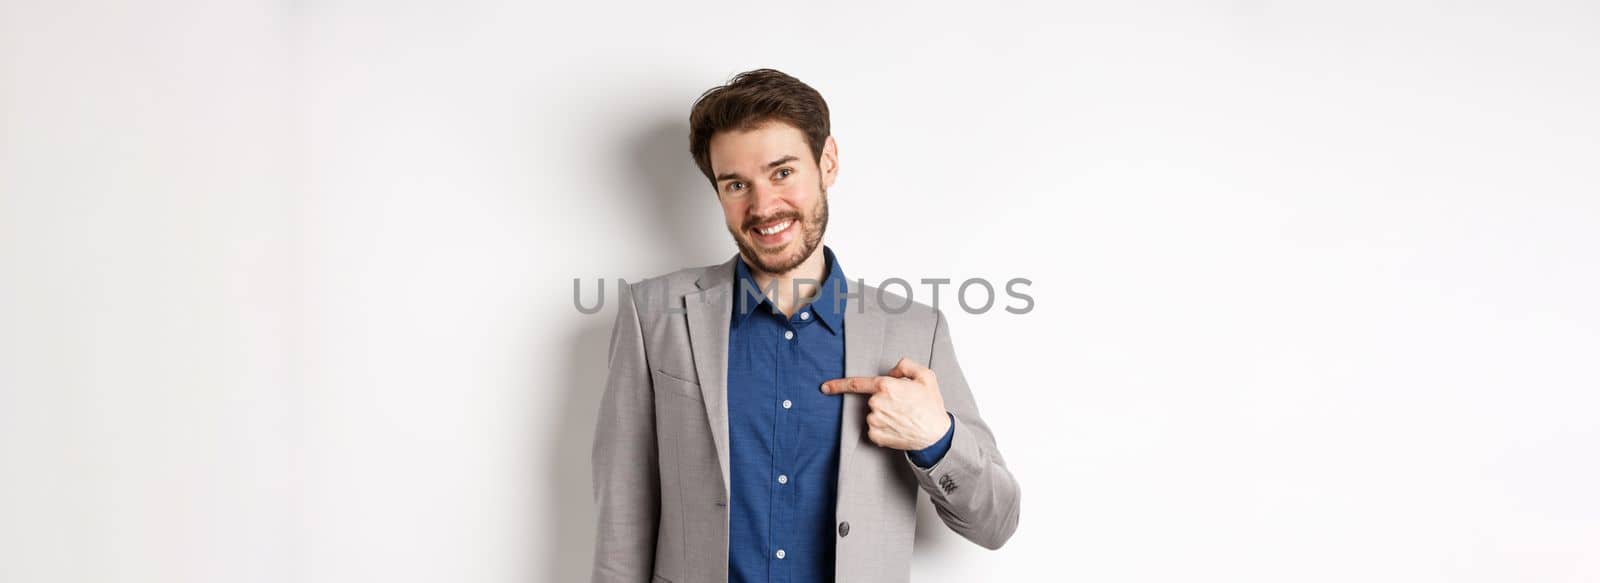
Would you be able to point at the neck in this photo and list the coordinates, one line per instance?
(796, 286)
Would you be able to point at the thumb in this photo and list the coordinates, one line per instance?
(908, 369)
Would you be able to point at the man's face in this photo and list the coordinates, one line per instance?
(774, 195)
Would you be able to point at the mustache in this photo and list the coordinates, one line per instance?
(751, 222)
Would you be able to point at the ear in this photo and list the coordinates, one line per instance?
(829, 164)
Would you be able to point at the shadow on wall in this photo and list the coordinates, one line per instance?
(572, 531)
(670, 205)
(676, 207)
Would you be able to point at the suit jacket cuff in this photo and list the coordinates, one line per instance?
(960, 465)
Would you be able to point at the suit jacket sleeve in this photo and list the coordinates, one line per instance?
(624, 463)
(970, 487)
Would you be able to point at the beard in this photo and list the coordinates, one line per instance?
(811, 230)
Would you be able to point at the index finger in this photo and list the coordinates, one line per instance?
(861, 385)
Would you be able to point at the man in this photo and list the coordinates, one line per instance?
(766, 420)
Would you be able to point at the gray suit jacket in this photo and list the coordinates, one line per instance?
(660, 458)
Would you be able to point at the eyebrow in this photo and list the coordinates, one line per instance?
(770, 165)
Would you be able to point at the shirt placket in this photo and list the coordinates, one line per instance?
(784, 449)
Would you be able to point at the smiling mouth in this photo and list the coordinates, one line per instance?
(774, 228)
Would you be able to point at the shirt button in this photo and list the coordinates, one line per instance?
(787, 404)
(844, 528)
(779, 554)
(783, 478)
(805, 315)
(788, 334)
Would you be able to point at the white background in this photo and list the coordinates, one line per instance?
(286, 287)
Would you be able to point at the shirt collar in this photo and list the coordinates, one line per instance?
(828, 306)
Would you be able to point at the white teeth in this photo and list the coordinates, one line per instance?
(772, 230)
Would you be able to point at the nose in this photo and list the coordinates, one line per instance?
(763, 201)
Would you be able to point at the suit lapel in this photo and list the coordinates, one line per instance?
(863, 347)
(710, 310)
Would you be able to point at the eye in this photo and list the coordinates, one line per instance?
(732, 186)
(784, 173)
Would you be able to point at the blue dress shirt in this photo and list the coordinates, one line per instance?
(783, 432)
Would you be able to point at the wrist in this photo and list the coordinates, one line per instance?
(931, 454)
(944, 429)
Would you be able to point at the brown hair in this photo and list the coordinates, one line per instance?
(750, 99)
